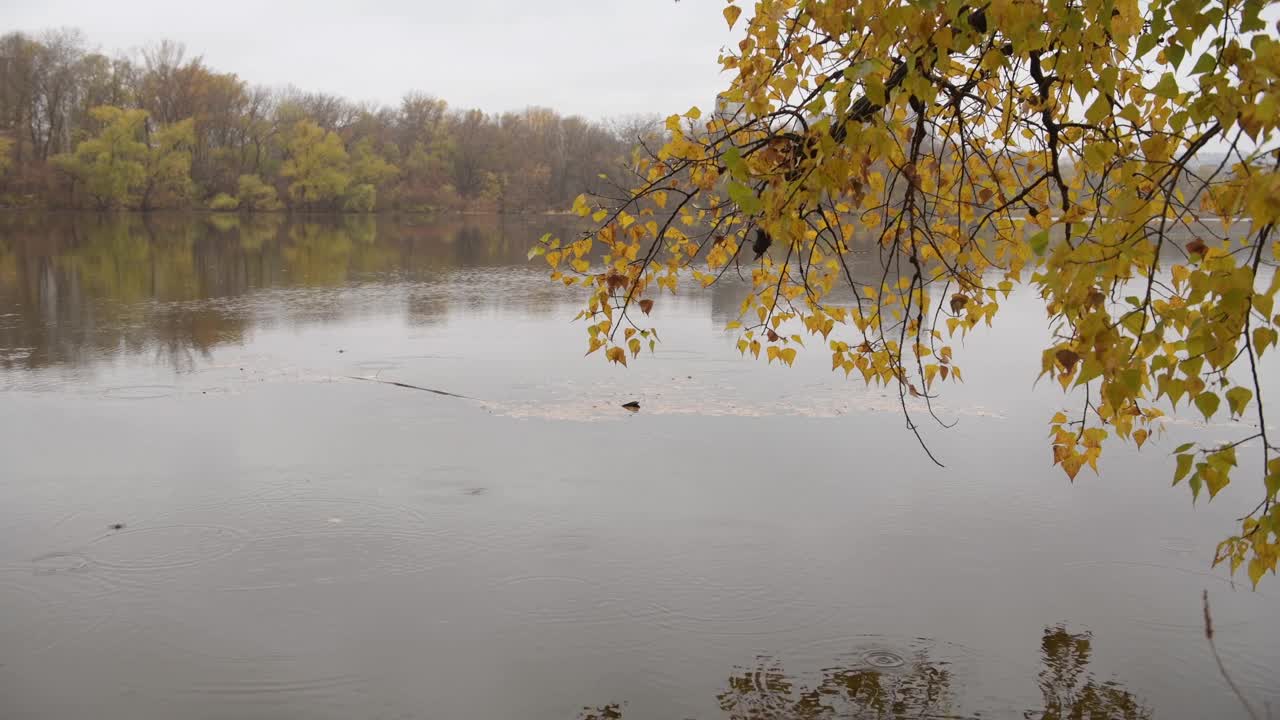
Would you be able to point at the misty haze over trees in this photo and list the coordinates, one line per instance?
(79, 129)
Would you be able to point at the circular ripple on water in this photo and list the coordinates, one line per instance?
(851, 675)
(1134, 581)
(291, 540)
(296, 541)
(66, 575)
(270, 684)
(379, 365)
(23, 606)
(60, 563)
(742, 607)
(139, 392)
(427, 356)
(287, 514)
(322, 558)
(904, 663)
(884, 660)
(52, 598)
(558, 599)
(170, 547)
(38, 613)
(278, 690)
(885, 652)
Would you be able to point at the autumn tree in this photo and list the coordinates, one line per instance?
(55, 69)
(125, 163)
(421, 132)
(255, 195)
(369, 171)
(472, 153)
(417, 156)
(1118, 158)
(167, 165)
(111, 165)
(316, 166)
(17, 92)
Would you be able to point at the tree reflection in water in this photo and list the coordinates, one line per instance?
(1070, 692)
(77, 289)
(884, 686)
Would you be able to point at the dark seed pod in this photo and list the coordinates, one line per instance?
(978, 21)
(762, 243)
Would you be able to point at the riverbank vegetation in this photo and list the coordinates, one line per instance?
(81, 129)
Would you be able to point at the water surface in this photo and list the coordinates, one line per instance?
(204, 515)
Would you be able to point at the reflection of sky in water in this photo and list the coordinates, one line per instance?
(298, 540)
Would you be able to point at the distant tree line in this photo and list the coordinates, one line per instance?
(79, 129)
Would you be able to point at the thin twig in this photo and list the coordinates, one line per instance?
(1208, 633)
(411, 387)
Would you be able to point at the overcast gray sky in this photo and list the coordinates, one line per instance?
(591, 57)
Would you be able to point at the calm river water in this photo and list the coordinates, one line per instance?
(202, 515)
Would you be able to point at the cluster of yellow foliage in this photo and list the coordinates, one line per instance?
(1118, 156)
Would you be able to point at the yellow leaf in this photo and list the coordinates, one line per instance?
(1263, 338)
(788, 355)
(616, 354)
(731, 14)
(1257, 567)
(1071, 465)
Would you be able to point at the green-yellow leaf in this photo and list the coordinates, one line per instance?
(1206, 63)
(733, 161)
(1167, 87)
(1207, 403)
(1039, 242)
(1238, 399)
(1184, 467)
(1099, 110)
(1256, 570)
(747, 200)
